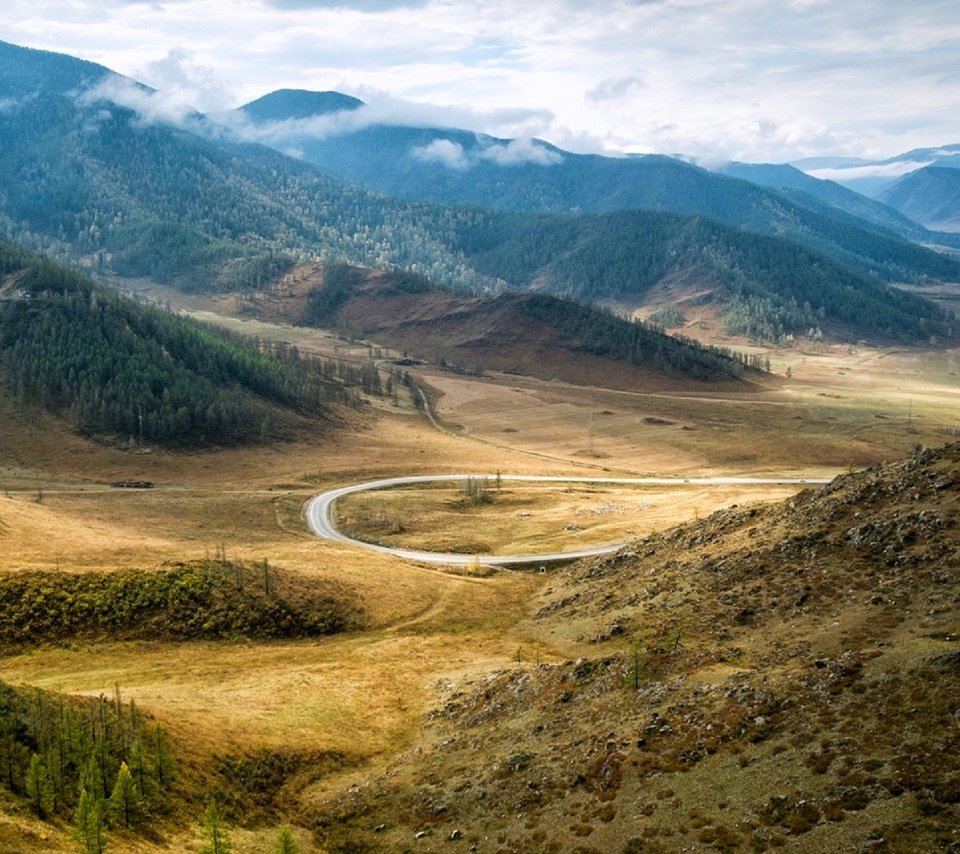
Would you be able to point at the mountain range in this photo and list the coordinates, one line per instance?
(450, 165)
(95, 174)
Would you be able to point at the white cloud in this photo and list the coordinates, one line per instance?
(519, 151)
(150, 106)
(444, 151)
(358, 5)
(614, 90)
(515, 152)
(181, 78)
(753, 79)
(874, 170)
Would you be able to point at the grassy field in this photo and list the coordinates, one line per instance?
(531, 518)
(363, 695)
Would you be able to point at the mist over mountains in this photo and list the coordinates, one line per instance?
(100, 171)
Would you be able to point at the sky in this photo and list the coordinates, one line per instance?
(715, 80)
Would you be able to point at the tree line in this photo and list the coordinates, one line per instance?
(114, 365)
(99, 763)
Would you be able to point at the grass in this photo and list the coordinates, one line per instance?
(530, 518)
(428, 630)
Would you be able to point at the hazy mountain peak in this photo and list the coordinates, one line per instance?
(24, 70)
(284, 104)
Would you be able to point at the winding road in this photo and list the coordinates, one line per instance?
(320, 516)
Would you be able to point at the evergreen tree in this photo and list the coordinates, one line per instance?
(39, 787)
(125, 803)
(286, 844)
(217, 840)
(88, 824)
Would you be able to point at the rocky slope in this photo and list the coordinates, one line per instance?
(779, 677)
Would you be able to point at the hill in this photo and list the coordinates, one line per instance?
(772, 677)
(532, 334)
(765, 287)
(116, 367)
(291, 104)
(453, 166)
(930, 195)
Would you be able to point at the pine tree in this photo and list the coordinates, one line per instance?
(125, 803)
(217, 840)
(39, 787)
(286, 844)
(88, 824)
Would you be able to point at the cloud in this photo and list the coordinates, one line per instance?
(518, 152)
(515, 152)
(859, 77)
(371, 6)
(444, 151)
(378, 108)
(895, 169)
(182, 79)
(613, 89)
(150, 106)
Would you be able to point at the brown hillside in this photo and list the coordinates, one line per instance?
(777, 677)
(476, 334)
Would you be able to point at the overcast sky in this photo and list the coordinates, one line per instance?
(757, 80)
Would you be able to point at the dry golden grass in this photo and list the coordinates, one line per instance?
(365, 694)
(531, 518)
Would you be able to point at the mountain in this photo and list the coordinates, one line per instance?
(829, 197)
(872, 177)
(764, 287)
(116, 367)
(930, 196)
(125, 192)
(291, 104)
(453, 166)
(779, 676)
(25, 72)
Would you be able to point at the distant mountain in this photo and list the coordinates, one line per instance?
(25, 72)
(828, 196)
(127, 193)
(453, 166)
(930, 195)
(286, 104)
(872, 177)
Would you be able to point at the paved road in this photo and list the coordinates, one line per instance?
(320, 517)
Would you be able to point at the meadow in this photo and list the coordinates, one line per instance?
(358, 699)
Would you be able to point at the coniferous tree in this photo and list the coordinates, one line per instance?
(88, 824)
(217, 840)
(38, 786)
(286, 844)
(125, 803)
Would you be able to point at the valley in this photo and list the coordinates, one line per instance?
(424, 628)
(681, 444)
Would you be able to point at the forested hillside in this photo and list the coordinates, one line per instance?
(523, 333)
(115, 366)
(459, 167)
(92, 183)
(930, 195)
(831, 198)
(768, 287)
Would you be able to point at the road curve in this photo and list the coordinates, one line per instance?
(318, 512)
